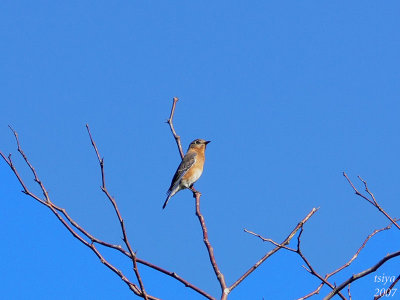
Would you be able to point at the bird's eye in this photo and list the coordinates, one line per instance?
(197, 142)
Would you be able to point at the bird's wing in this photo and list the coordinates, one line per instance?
(187, 162)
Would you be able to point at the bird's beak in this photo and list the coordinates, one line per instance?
(206, 142)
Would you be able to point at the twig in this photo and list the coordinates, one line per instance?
(359, 250)
(221, 279)
(269, 240)
(284, 243)
(36, 178)
(362, 274)
(93, 240)
(171, 125)
(389, 289)
(327, 276)
(348, 291)
(56, 210)
(177, 277)
(309, 267)
(372, 200)
(121, 221)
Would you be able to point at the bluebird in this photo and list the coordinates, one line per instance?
(190, 168)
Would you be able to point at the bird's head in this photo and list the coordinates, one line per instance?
(198, 144)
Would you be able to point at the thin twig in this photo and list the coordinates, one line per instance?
(132, 286)
(348, 291)
(171, 125)
(309, 267)
(327, 276)
(177, 277)
(268, 240)
(92, 239)
(390, 288)
(264, 258)
(311, 270)
(359, 250)
(376, 203)
(362, 274)
(36, 178)
(121, 221)
(56, 210)
(221, 279)
(372, 200)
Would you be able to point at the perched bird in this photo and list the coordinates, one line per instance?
(190, 168)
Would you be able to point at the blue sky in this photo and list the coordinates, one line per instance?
(290, 94)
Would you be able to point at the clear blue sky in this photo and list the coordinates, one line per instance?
(291, 94)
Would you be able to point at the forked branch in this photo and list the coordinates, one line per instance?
(389, 289)
(362, 274)
(277, 248)
(91, 242)
(74, 228)
(324, 280)
(171, 126)
(372, 200)
(121, 221)
(327, 276)
(197, 195)
(60, 211)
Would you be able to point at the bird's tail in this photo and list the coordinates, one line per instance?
(166, 201)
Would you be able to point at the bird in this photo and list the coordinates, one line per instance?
(190, 168)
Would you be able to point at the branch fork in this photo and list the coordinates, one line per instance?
(83, 236)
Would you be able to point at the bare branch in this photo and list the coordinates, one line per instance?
(131, 285)
(83, 231)
(348, 291)
(177, 277)
(171, 125)
(372, 200)
(57, 210)
(217, 271)
(358, 251)
(121, 221)
(362, 274)
(389, 289)
(197, 195)
(269, 240)
(37, 180)
(309, 267)
(327, 276)
(368, 191)
(264, 258)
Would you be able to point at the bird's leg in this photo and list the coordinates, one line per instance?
(195, 192)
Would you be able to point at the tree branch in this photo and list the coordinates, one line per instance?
(221, 279)
(348, 291)
(327, 276)
(171, 125)
(389, 289)
(372, 200)
(57, 210)
(362, 274)
(121, 221)
(280, 246)
(309, 267)
(269, 240)
(93, 239)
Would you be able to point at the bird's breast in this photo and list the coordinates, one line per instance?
(194, 172)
